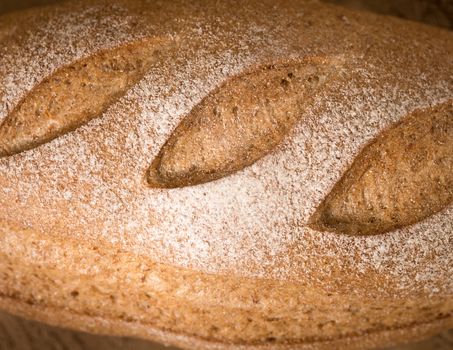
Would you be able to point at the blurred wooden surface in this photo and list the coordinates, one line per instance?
(434, 12)
(12, 5)
(19, 334)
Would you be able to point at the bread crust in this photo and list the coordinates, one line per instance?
(100, 281)
(231, 261)
(117, 327)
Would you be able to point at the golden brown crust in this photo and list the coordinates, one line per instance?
(121, 328)
(99, 281)
(64, 101)
(240, 122)
(404, 176)
(82, 230)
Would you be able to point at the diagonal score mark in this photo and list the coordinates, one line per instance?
(240, 122)
(75, 94)
(402, 177)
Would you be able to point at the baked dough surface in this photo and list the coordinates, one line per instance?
(82, 229)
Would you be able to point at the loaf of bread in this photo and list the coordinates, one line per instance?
(227, 174)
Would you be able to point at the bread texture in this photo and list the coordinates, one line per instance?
(231, 128)
(74, 95)
(377, 195)
(227, 175)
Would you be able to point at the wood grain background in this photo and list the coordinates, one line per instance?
(20, 334)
